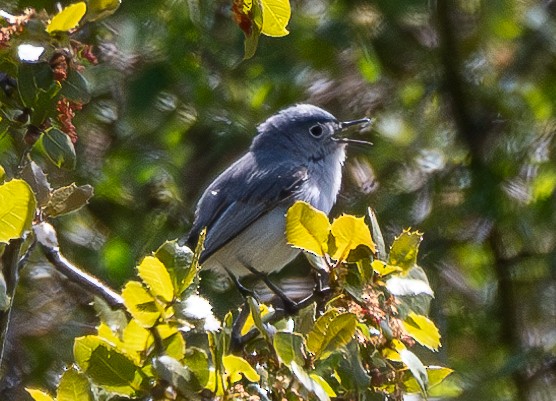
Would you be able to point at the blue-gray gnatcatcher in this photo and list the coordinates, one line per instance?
(297, 155)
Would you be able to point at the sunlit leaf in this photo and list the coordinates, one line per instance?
(136, 340)
(68, 18)
(276, 15)
(307, 228)
(39, 395)
(154, 274)
(350, 232)
(74, 386)
(416, 368)
(401, 286)
(17, 209)
(384, 268)
(236, 366)
(289, 347)
(172, 341)
(312, 386)
(331, 333)
(178, 261)
(423, 330)
(106, 366)
(257, 312)
(140, 303)
(324, 384)
(435, 375)
(403, 252)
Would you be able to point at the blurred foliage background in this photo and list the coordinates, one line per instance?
(464, 96)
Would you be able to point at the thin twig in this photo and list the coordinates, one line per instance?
(83, 279)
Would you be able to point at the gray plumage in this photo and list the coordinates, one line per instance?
(295, 156)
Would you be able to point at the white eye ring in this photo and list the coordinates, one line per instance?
(316, 130)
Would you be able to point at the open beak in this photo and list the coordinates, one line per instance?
(347, 124)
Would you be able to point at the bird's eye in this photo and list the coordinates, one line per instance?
(316, 130)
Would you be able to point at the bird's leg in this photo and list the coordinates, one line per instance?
(244, 291)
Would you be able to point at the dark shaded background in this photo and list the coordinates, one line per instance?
(464, 96)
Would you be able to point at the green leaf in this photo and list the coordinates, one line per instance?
(290, 347)
(316, 336)
(76, 88)
(324, 384)
(57, 147)
(68, 18)
(350, 232)
(377, 235)
(140, 303)
(68, 199)
(312, 386)
(384, 268)
(236, 366)
(423, 330)
(39, 395)
(403, 252)
(74, 386)
(331, 333)
(106, 366)
(255, 318)
(154, 274)
(307, 228)
(175, 373)
(435, 375)
(252, 37)
(30, 78)
(100, 9)
(178, 261)
(36, 178)
(416, 368)
(197, 361)
(17, 209)
(276, 15)
(172, 341)
(136, 341)
(349, 369)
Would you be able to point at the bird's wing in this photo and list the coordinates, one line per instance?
(239, 196)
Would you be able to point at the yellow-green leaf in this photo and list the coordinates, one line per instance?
(324, 384)
(276, 15)
(154, 274)
(436, 375)
(74, 386)
(39, 395)
(136, 340)
(99, 9)
(307, 228)
(350, 232)
(17, 209)
(68, 18)
(393, 353)
(423, 330)
(384, 268)
(236, 366)
(403, 252)
(140, 303)
(172, 341)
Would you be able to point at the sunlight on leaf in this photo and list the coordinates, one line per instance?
(140, 303)
(403, 252)
(236, 367)
(307, 228)
(276, 15)
(423, 330)
(154, 274)
(74, 386)
(68, 18)
(350, 232)
(39, 395)
(17, 209)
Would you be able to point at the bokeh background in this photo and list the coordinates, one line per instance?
(464, 97)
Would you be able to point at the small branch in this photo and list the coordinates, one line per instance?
(83, 279)
(11, 277)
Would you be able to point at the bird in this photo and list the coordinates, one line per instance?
(296, 155)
